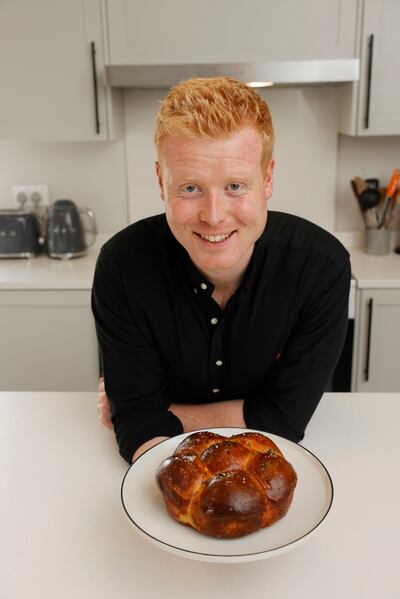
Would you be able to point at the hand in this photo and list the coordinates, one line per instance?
(103, 406)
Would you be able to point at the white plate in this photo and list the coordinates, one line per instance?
(144, 506)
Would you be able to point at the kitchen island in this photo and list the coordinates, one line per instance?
(64, 535)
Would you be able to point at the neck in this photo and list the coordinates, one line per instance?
(222, 295)
(225, 287)
(227, 280)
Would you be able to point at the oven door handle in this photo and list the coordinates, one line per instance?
(368, 354)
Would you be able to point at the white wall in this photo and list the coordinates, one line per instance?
(305, 122)
(91, 174)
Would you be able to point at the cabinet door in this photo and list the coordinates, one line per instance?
(176, 31)
(377, 360)
(371, 106)
(47, 79)
(48, 341)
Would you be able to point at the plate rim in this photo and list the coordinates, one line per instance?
(236, 556)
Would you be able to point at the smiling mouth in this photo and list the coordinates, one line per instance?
(219, 238)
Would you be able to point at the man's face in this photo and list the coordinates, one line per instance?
(215, 194)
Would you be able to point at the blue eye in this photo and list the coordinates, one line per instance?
(190, 188)
(234, 186)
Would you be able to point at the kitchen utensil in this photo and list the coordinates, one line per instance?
(65, 231)
(356, 190)
(372, 183)
(390, 193)
(360, 185)
(369, 200)
(19, 234)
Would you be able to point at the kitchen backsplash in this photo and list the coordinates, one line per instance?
(117, 179)
(91, 174)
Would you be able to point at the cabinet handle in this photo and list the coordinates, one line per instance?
(96, 99)
(369, 75)
(366, 369)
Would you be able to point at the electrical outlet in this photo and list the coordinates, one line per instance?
(31, 195)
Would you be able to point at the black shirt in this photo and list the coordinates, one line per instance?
(164, 340)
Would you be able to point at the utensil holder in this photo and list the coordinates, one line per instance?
(377, 241)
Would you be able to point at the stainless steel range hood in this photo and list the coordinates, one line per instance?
(283, 73)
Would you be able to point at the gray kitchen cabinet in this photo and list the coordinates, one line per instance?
(159, 32)
(49, 52)
(48, 341)
(371, 105)
(377, 341)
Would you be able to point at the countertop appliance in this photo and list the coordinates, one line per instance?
(19, 234)
(66, 237)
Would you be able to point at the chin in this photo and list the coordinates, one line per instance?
(215, 265)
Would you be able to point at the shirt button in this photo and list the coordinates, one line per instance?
(215, 390)
(219, 362)
(214, 320)
(203, 286)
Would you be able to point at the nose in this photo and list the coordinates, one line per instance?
(212, 210)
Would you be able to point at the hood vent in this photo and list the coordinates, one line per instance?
(284, 73)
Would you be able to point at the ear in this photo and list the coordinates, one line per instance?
(268, 179)
(160, 180)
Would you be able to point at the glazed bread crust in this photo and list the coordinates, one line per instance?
(226, 487)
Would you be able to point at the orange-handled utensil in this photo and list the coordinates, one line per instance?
(393, 183)
(390, 192)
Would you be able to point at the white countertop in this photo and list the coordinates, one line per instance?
(64, 534)
(375, 271)
(43, 272)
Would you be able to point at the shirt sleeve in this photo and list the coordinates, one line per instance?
(294, 386)
(135, 379)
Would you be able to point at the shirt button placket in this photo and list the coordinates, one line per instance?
(215, 370)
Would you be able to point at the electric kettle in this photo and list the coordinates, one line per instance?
(65, 230)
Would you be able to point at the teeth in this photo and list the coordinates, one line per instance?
(215, 238)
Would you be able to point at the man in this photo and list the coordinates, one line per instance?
(217, 313)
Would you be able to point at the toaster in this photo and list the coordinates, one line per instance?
(20, 235)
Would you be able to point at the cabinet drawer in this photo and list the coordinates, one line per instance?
(49, 341)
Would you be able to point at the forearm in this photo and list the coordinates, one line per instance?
(194, 417)
(211, 415)
(147, 445)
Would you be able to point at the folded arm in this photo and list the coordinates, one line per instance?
(296, 383)
(193, 417)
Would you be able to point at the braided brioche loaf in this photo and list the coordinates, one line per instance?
(226, 486)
